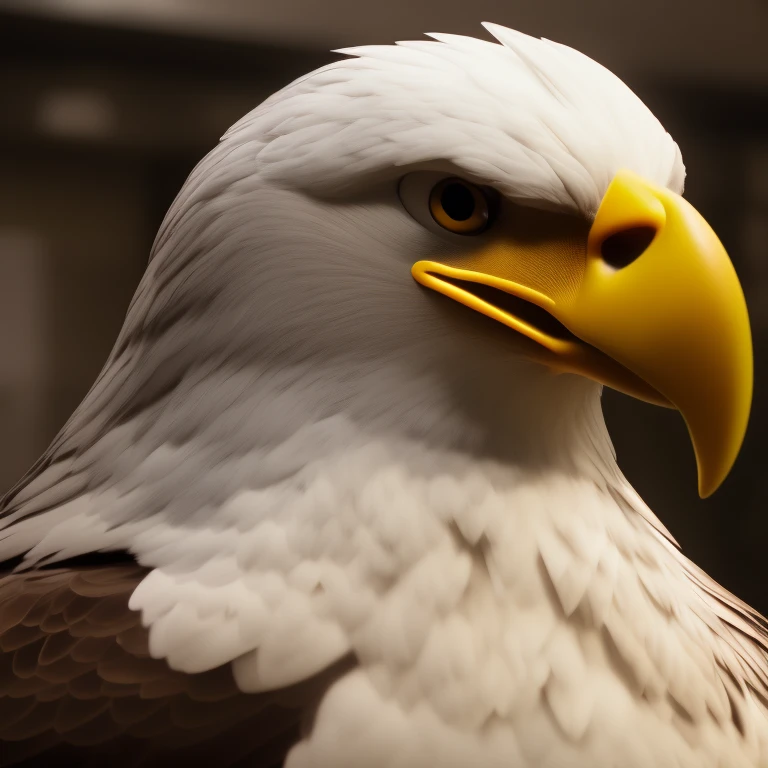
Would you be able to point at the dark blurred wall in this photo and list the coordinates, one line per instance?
(101, 124)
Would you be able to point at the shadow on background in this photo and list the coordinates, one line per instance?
(101, 124)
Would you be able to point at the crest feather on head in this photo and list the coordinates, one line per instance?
(545, 124)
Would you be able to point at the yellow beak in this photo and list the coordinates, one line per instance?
(648, 300)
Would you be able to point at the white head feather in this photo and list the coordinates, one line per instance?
(279, 294)
(544, 123)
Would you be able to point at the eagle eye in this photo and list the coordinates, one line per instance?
(443, 203)
(459, 207)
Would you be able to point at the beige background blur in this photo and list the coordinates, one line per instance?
(105, 106)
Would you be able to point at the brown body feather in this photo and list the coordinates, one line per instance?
(78, 686)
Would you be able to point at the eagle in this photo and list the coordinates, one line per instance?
(343, 494)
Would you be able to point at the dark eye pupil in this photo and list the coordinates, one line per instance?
(457, 201)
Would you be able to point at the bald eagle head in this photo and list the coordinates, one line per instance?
(340, 234)
(454, 243)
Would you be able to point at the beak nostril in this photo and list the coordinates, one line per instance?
(622, 248)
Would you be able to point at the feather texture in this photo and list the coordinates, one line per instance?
(350, 498)
(89, 681)
(544, 123)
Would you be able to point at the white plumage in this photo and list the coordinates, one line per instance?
(542, 122)
(315, 463)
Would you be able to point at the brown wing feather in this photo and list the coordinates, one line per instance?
(78, 686)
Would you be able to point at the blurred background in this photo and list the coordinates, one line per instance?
(106, 105)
